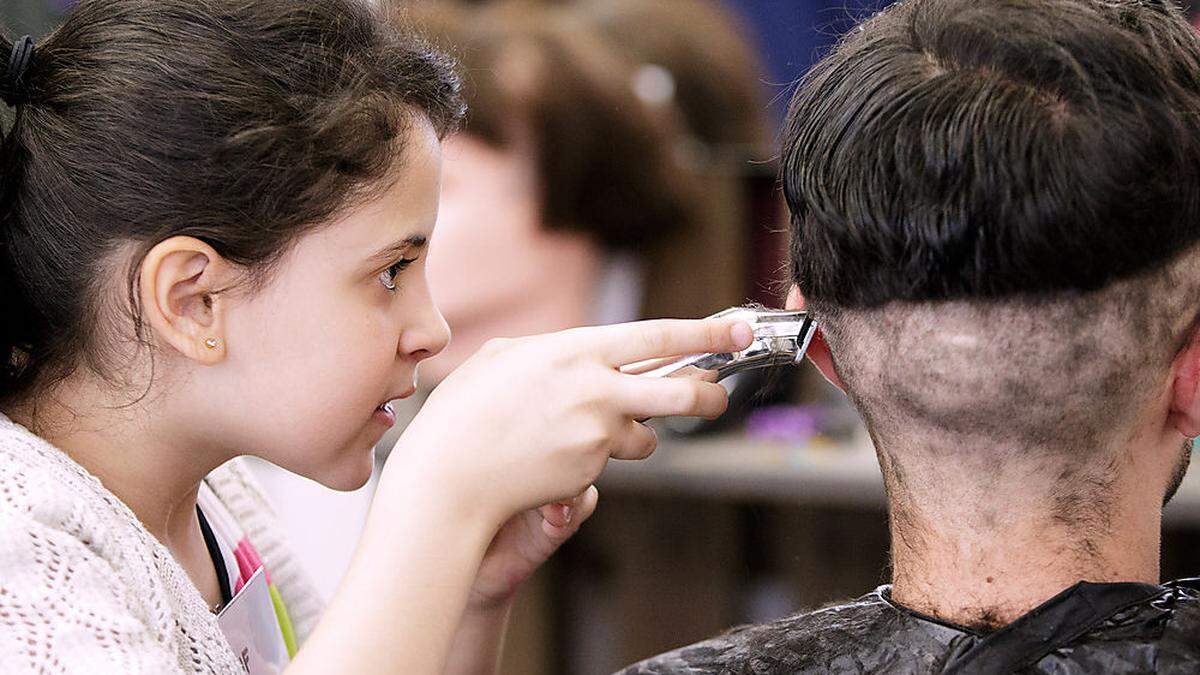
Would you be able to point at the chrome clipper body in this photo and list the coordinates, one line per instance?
(780, 338)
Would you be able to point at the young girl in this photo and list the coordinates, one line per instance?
(213, 224)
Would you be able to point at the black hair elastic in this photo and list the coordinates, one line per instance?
(14, 89)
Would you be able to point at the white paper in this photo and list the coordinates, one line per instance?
(252, 629)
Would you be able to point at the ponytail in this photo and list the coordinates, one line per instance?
(14, 89)
(15, 311)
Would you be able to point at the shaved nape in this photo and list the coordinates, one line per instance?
(1043, 387)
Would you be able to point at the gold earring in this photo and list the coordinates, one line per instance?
(211, 343)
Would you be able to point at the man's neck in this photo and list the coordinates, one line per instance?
(983, 566)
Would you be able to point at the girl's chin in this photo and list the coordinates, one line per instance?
(350, 484)
(349, 472)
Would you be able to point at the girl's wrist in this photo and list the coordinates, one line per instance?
(480, 606)
(431, 508)
(490, 610)
(418, 473)
(479, 641)
(409, 582)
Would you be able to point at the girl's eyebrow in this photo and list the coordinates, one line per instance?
(390, 251)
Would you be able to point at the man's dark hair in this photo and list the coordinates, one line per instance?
(954, 149)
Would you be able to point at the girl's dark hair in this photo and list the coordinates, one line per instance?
(241, 123)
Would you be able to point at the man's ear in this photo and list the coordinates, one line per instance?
(1184, 412)
(179, 288)
(818, 349)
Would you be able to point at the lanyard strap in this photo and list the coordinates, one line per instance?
(225, 526)
(1058, 622)
(218, 558)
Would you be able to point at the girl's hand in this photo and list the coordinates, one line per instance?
(532, 421)
(522, 423)
(523, 543)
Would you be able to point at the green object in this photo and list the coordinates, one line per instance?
(285, 621)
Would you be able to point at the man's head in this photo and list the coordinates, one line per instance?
(996, 207)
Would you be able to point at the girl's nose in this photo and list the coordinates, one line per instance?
(426, 335)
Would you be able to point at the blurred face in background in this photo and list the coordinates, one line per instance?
(494, 270)
(563, 174)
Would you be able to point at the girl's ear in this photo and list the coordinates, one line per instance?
(818, 349)
(180, 291)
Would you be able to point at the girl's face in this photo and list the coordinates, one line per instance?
(336, 333)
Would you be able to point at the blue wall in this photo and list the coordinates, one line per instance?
(794, 34)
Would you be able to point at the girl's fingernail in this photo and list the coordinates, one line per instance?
(566, 512)
(741, 333)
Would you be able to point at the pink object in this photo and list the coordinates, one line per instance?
(255, 560)
(795, 424)
(245, 567)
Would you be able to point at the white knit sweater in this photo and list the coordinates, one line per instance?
(85, 588)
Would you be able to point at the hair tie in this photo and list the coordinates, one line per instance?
(14, 89)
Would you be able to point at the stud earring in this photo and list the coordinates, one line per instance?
(211, 343)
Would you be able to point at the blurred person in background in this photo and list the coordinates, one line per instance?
(693, 61)
(559, 180)
(711, 75)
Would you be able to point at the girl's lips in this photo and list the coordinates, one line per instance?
(386, 415)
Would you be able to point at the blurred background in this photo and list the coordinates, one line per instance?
(618, 162)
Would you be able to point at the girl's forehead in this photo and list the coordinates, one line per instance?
(404, 214)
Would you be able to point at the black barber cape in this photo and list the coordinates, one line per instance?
(1088, 628)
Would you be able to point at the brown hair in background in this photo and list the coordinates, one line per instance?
(737, 247)
(537, 74)
(673, 179)
(708, 51)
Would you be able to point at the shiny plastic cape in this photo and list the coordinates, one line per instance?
(1088, 628)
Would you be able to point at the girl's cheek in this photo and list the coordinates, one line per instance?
(369, 354)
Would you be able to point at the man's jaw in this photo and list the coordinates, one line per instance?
(1181, 469)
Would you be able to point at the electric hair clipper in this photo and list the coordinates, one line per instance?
(780, 338)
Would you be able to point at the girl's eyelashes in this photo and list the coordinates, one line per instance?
(388, 276)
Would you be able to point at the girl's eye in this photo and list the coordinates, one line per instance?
(388, 276)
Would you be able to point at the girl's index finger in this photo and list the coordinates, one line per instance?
(621, 344)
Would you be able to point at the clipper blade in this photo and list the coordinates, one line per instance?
(780, 338)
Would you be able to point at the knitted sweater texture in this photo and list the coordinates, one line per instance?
(85, 588)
